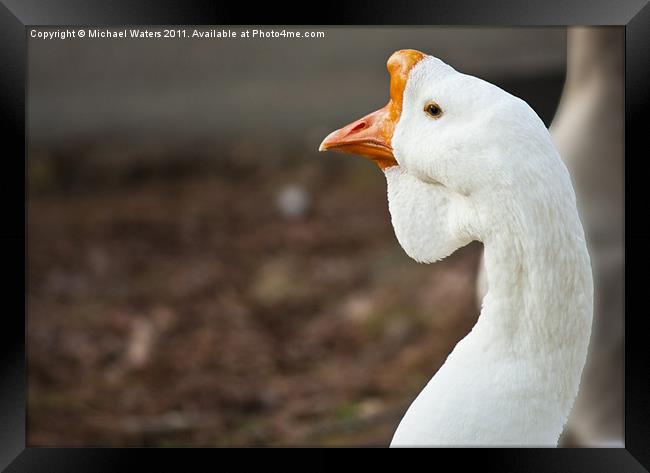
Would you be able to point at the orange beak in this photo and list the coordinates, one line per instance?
(371, 136)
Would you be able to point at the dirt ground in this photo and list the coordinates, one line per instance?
(188, 310)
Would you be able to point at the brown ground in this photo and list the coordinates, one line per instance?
(188, 311)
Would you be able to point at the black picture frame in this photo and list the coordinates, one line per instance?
(17, 15)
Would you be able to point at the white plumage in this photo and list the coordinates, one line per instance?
(486, 169)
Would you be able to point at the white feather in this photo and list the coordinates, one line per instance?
(487, 170)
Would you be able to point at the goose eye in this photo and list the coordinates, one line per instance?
(433, 110)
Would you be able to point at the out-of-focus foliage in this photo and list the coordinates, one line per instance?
(189, 311)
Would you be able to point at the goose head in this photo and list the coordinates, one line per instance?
(454, 149)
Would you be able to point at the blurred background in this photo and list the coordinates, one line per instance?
(198, 274)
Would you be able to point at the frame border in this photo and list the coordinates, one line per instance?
(16, 15)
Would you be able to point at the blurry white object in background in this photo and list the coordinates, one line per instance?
(293, 201)
(588, 131)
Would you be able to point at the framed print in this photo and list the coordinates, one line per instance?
(371, 227)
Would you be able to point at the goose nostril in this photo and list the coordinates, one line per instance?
(358, 126)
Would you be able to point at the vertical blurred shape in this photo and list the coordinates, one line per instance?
(588, 131)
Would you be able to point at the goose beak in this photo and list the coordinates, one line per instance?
(369, 137)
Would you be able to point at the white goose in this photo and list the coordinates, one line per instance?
(464, 160)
